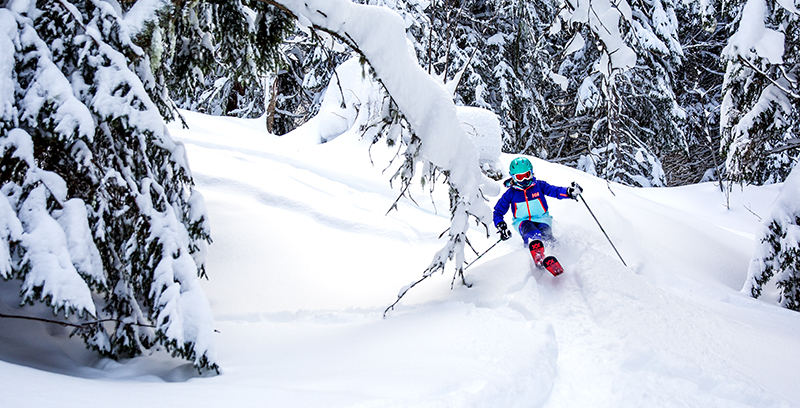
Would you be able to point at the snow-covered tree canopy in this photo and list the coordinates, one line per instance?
(212, 56)
(628, 91)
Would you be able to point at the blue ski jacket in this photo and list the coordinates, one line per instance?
(527, 203)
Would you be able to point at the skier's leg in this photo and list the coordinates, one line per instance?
(529, 230)
(546, 232)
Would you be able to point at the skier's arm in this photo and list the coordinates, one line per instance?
(554, 191)
(502, 206)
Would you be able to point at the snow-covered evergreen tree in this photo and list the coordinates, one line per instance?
(627, 88)
(98, 217)
(698, 90)
(215, 57)
(486, 52)
(513, 65)
(759, 124)
(778, 253)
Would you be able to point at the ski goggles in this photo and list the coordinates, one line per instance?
(523, 176)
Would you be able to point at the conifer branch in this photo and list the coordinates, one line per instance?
(789, 92)
(790, 144)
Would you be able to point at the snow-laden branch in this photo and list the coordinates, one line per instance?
(603, 17)
(379, 35)
(785, 88)
(790, 144)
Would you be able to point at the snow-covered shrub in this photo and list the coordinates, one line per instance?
(778, 253)
(98, 216)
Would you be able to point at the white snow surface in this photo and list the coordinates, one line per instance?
(305, 259)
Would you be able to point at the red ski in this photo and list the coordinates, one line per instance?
(548, 262)
(537, 251)
(552, 265)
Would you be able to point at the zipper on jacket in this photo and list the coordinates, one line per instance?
(527, 204)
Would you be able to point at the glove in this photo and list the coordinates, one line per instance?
(502, 228)
(574, 190)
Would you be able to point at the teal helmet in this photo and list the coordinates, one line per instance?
(521, 172)
(520, 165)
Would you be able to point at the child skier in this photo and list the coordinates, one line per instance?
(526, 198)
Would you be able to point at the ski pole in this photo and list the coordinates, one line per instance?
(484, 253)
(601, 229)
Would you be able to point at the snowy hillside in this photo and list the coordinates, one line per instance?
(305, 260)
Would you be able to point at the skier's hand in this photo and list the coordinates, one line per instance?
(502, 228)
(574, 190)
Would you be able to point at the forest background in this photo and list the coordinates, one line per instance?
(691, 100)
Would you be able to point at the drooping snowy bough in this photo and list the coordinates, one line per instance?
(439, 138)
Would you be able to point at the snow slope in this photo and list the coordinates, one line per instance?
(305, 259)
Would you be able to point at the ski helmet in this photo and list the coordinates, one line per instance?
(520, 165)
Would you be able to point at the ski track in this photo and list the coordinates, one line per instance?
(604, 362)
(600, 358)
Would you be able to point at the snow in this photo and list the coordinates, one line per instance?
(21, 143)
(783, 216)
(82, 250)
(483, 128)
(560, 80)
(576, 43)
(588, 97)
(649, 40)
(498, 39)
(305, 259)
(10, 230)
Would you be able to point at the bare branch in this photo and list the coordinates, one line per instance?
(790, 144)
(84, 325)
